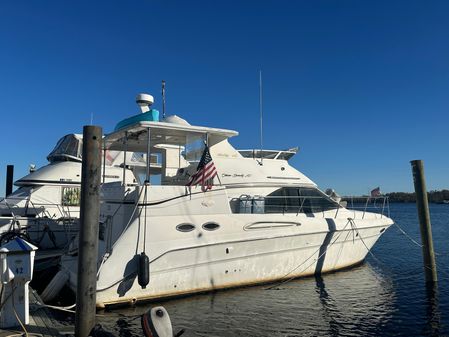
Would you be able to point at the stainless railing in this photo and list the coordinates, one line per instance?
(308, 205)
(38, 209)
(380, 204)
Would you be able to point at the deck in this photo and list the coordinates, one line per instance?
(42, 322)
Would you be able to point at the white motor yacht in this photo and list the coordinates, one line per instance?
(206, 216)
(45, 206)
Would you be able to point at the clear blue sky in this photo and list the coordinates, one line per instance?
(361, 86)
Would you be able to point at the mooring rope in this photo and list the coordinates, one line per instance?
(408, 236)
(441, 270)
(130, 218)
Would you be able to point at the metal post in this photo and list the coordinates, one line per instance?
(125, 145)
(422, 205)
(88, 235)
(163, 99)
(104, 165)
(9, 179)
(147, 180)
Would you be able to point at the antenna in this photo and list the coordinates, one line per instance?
(261, 116)
(163, 99)
(144, 101)
(91, 118)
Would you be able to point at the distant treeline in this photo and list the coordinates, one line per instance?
(433, 196)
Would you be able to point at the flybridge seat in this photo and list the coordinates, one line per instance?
(68, 148)
(269, 154)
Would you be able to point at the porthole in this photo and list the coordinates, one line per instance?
(211, 226)
(185, 227)
(382, 230)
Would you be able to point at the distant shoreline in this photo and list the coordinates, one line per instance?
(435, 197)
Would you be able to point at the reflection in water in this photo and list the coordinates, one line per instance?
(433, 311)
(328, 305)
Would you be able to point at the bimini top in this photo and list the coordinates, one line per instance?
(161, 133)
(68, 148)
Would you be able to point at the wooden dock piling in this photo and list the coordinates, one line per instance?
(422, 205)
(9, 179)
(88, 237)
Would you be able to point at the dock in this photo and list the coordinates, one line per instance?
(42, 321)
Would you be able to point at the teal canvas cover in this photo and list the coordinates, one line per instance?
(149, 116)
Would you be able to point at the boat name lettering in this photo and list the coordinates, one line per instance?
(236, 175)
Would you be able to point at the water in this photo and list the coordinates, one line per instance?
(386, 296)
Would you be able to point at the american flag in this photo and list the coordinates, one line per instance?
(375, 192)
(205, 172)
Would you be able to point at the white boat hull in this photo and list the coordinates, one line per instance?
(236, 257)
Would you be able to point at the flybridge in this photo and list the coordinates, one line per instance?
(160, 133)
(137, 132)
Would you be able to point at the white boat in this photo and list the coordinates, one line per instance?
(45, 207)
(261, 221)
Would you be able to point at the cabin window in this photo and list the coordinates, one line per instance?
(298, 200)
(185, 227)
(211, 226)
(71, 196)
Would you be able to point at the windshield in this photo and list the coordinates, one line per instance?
(69, 147)
(268, 154)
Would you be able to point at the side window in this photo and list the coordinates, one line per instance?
(316, 201)
(71, 196)
(298, 200)
(275, 202)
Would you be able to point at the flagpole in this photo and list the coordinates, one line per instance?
(207, 145)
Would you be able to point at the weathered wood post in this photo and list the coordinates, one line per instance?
(9, 179)
(422, 205)
(88, 236)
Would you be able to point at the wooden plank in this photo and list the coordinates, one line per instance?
(42, 321)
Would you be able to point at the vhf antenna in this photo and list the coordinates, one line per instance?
(163, 99)
(261, 116)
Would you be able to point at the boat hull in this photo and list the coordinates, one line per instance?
(259, 256)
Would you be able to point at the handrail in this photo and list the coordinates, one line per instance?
(308, 204)
(365, 201)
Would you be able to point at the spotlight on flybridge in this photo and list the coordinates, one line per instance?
(144, 101)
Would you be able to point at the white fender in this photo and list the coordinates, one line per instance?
(55, 286)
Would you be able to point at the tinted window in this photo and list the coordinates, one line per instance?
(185, 227)
(298, 200)
(211, 226)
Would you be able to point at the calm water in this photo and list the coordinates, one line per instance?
(386, 296)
